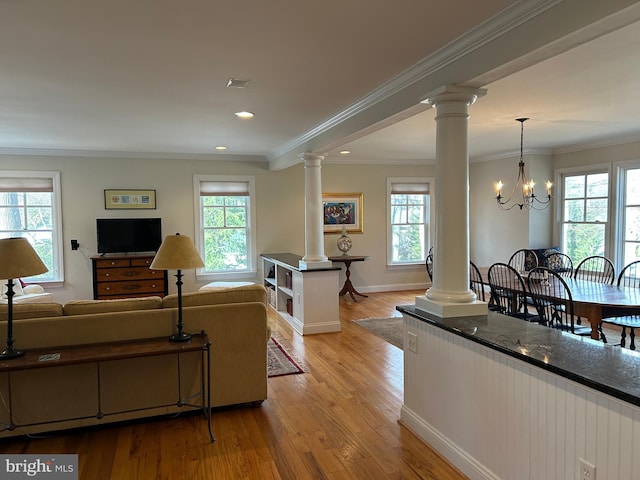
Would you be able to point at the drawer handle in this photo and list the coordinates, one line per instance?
(107, 274)
(113, 263)
(108, 288)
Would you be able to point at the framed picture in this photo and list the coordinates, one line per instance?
(129, 199)
(342, 209)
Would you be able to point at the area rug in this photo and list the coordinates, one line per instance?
(279, 361)
(389, 329)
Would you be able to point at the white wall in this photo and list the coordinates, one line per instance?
(496, 234)
(280, 210)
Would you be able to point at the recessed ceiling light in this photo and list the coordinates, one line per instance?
(237, 83)
(244, 114)
(221, 147)
(345, 152)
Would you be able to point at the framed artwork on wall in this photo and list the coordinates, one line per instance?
(342, 209)
(129, 199)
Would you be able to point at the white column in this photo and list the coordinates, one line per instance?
(450, 295)
(314, 257)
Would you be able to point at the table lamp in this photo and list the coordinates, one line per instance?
(18, 259)
(177, 252)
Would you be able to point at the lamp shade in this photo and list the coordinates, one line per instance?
(18, 259)
(177, 252)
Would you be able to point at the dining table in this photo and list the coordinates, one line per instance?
(593, 300)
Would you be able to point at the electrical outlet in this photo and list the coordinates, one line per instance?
(412, 342)
(587, 470)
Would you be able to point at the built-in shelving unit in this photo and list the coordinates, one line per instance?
(306, 299)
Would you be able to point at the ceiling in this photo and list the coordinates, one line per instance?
(148, 77)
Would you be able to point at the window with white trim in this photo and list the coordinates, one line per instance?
(409, 207)
(585, 215)
(30, 208)
(226, 224)
(630, 209)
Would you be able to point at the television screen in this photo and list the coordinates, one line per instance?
(128, 235)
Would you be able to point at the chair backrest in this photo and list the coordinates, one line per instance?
(505, 282)
(551, 298)
(523, 260)
(560, 263)
(475, 280)
(595, 269)
(630, 275)
(429, 264)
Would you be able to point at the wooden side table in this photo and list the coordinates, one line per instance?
(348, 286)
(98, 354)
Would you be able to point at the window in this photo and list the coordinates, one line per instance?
(585, 215)
(409, 212)
(30, 208)
(225, 236)
(630, 226)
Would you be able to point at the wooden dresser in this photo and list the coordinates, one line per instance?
(126, 276)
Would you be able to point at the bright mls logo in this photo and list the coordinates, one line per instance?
(52, 467)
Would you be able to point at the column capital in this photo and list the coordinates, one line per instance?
(453, 93)
(311, 158)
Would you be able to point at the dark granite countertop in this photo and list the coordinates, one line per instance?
(292, 260)
(609, 369)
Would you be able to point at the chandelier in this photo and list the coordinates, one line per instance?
(529, 199)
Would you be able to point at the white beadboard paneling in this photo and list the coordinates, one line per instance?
(496, 417)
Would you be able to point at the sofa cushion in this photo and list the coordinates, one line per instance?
(32, 310)
(249, 293)
(82, 307)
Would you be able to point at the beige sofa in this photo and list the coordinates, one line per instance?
(44, 399)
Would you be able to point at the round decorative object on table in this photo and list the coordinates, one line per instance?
(344, 242)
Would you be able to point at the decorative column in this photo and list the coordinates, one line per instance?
(314, 256)
(450, 295)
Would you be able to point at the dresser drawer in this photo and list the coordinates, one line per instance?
(141, 262)
(112, 262)
(140, 288)
(115, 274)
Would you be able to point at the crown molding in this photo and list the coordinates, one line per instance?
(511, 17)
(44, 152)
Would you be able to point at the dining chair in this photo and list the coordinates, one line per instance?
(523, 260)
(429, 264)
(629, 277)
(553, 301)
(508, 291)
(560, 263)
(595, 268)
(475, 280)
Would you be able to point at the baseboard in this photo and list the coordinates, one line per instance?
(393, 287)
(445, 447)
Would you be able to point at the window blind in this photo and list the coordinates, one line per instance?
(211, 189)
(26, 184)
(407, 188)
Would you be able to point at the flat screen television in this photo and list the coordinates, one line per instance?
(128, 235)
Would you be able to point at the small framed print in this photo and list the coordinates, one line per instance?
(342, 209)
(129, 199)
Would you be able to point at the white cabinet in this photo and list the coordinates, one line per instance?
(306, 299)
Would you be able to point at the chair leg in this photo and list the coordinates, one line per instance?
(632, 335)
(623, 337)
(603, 337)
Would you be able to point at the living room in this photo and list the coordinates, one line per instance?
(88, 168)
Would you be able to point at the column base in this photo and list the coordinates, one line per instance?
(448, 310)
(314, 265)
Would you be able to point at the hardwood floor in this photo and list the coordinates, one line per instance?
(337, 421)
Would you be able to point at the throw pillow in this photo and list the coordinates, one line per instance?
(17, 287)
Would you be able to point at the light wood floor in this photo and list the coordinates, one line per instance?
(337, 421)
